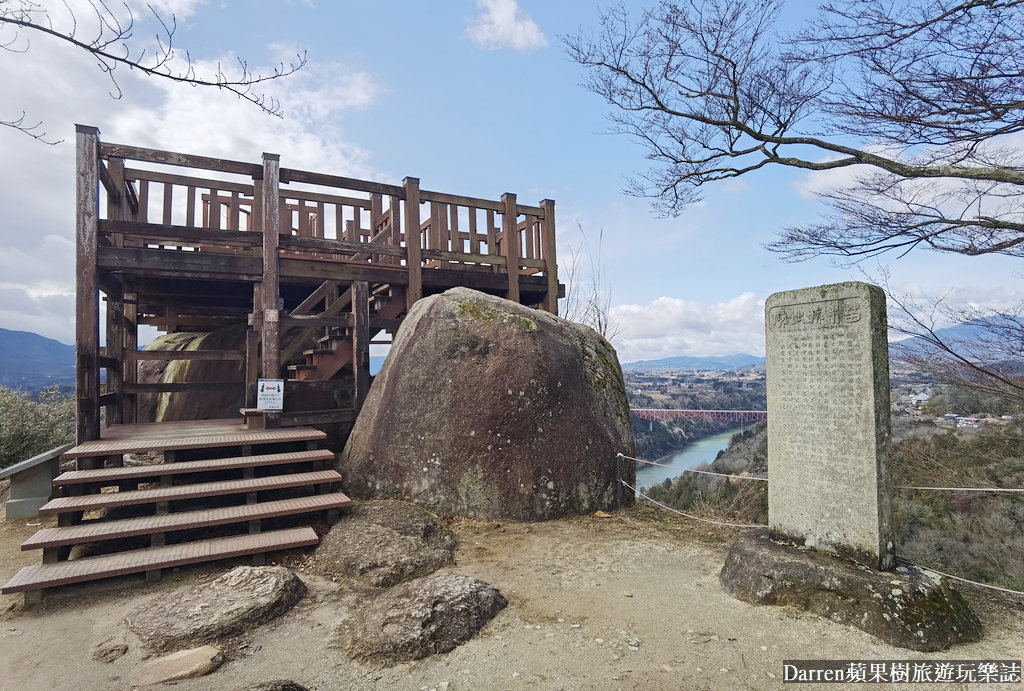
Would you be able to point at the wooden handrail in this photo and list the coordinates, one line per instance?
(293, 175)
(138, 153)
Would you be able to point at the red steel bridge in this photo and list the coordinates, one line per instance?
(742, 416)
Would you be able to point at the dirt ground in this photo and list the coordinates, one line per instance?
(627, 602)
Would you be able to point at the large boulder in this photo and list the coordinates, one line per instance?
(215, 403)
(908, 608)
(488, 408)
(428, 616)
(202, 404)
(234, 603)
(385, 542)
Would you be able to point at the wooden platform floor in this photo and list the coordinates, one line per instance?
(192, 434)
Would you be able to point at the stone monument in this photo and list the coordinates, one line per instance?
(829, 544)
(829, 484)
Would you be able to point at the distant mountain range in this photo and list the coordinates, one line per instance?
(958, 333)
(714, 362)
(30, 361)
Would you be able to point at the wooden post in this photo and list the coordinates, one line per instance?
(115, 341)
(270, 331)
(396, 228)
(252, 366)
(130, 315)
(510, 230)
(361, 340)
(87, 306)
(550, 259)
(414, 261)
(117, 210)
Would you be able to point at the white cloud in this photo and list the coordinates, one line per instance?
(180, 9)
(61, 86)
(504, 24)
(669, 326)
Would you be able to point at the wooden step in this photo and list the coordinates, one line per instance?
(96, 531)
(174, 436)
(77, 477)
(93, 568)
(93, 502)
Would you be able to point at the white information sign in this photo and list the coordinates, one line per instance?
(270, 394)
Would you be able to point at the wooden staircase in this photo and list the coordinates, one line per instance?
(335, 346)
(198, 505)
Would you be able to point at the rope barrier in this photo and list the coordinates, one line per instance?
(758, 525)
(693, 470)
(958, 578)
(696, 518)
(1008, 490)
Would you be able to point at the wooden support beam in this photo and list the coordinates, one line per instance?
(550, 265)
(511, 241)
(185, 386)
(414, 263)
(215, 355)
(270, 333)
(87, 304)
(361, 340)
(252, 366)
(301, 342)
(396, 227)
(130, 371)
(321, 294)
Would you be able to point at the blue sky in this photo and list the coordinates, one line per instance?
(474, 97)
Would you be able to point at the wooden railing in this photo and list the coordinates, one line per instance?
(332, 218)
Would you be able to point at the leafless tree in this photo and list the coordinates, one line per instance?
(107, 35)
(924, 99)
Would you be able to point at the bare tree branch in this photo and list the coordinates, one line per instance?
(921, 99)
(929, 88)
(112, 44)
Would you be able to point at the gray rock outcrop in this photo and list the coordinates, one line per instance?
(201, 405)
(276, 685)
(241, 599)
(385, 542)
(906, 608)
(488, 408)
(428, 616)
(184, 664)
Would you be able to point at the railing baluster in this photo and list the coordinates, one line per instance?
(190, 206)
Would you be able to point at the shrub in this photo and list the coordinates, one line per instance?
(29, 427)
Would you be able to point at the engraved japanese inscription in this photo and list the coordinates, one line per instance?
(828, 421)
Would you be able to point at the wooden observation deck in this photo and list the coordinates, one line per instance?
(314, 267)
(302, 271)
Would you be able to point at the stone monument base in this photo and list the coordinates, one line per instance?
(907, 608)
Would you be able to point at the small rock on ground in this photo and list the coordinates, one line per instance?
(385, 542)
(239, 600)
(276, 685)
(109, 653)
(424, 617)
(184, 664)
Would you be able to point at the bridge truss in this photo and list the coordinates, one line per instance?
(741, 416)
